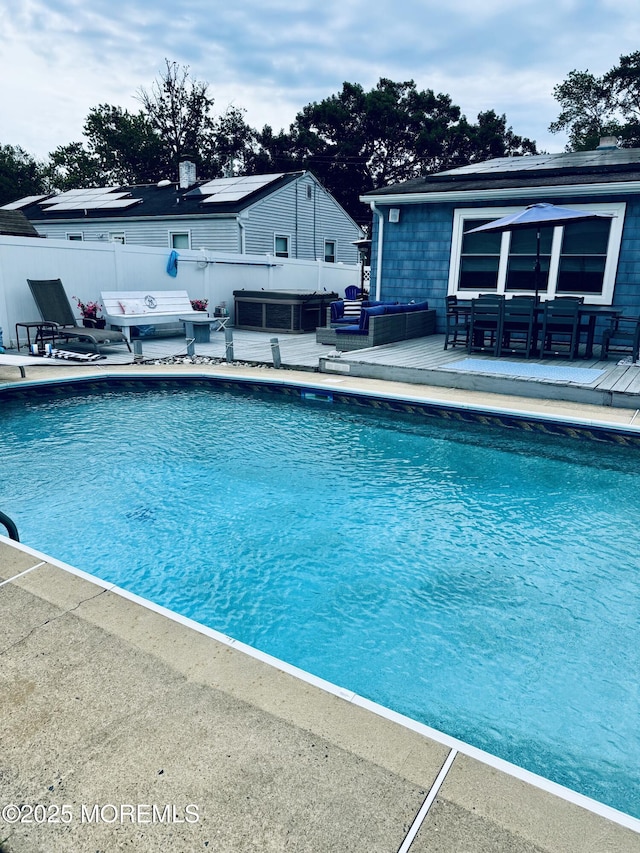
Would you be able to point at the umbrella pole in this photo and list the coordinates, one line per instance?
(536, 269)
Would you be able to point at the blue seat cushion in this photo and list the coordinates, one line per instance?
(349, 330)
(418, 306)
(363, 327)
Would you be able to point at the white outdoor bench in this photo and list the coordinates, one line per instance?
(146, 308)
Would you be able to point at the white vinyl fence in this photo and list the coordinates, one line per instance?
(86, 269)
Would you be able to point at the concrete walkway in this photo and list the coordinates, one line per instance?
(106, 703)
(109, 708)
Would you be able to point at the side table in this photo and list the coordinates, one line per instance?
(197, 328)
(41, 326)
(221, 321)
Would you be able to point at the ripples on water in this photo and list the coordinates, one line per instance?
(483, 582)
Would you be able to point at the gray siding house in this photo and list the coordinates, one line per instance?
(420, 248)
(286, 215)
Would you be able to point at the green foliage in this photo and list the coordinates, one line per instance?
(178, 109)
(20, 174)
(73, 167)
(593, 107)
(587, 110)
(356, 141)
(231, 146)
(127, 147)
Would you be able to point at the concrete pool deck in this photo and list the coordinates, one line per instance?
(108, 703)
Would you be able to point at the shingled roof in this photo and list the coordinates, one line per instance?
(152, 200)
(14, 223)
(610, 165)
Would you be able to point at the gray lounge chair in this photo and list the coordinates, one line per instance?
(54, 307)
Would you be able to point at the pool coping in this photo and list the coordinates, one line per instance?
(620, 421)
(369, 390)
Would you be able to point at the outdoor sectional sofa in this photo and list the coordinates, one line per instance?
(379, 323)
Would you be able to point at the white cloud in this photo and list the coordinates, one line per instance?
(60, 58)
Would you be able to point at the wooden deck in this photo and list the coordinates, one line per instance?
(424, 361)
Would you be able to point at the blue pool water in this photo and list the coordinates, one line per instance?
(481, 581)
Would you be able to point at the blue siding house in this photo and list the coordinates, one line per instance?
(421, 251)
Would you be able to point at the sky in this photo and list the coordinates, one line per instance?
(60, 58)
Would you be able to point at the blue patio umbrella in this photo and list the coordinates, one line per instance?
(538, 216)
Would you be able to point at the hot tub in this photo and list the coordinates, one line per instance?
(281, 310)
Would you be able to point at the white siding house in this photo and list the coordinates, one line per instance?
(287, 214)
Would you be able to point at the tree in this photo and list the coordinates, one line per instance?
(120, 148)
(593, 107)
(73, 167)
(356, 141)
(624, 82)
(231, 145)
(488, 138)
(588, 110)
(128, 149)
(143, 147)
(178, 108)
(20, 174)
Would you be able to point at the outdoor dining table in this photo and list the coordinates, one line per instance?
(588, 313)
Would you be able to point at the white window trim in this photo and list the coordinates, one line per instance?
(286, 237)
(117, 237)
(611, 265)
(335, 250)
(172, 234)
(76, 236)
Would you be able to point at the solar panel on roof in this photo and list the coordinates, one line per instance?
(233, 189)
(232, 195)
(121, 202)
(90, 199)
(538, 162)
(22, 202)
(84, 196)
(68, 205)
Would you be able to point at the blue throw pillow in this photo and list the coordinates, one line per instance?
(418, 306)
(395, 309)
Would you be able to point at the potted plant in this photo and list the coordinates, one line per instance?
(90, 312)
(199, 304)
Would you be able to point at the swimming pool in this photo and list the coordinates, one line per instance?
(480, 581)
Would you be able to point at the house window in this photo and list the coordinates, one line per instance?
(281, 246)
(583, 257)
(75, 237)
(180, 239)
(522, 259)
(580, 258)
(479, 260)
(116, 237)
(330, 251)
